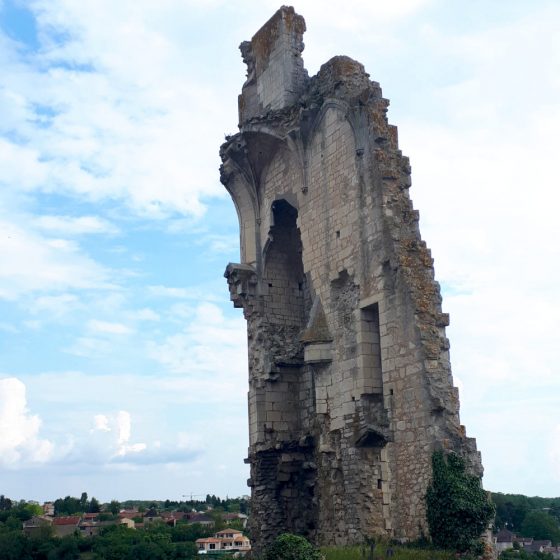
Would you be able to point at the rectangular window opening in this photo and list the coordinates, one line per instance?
(370, 349)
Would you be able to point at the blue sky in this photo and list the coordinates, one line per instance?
(122, 361)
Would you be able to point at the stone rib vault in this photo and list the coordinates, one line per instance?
(349, 373)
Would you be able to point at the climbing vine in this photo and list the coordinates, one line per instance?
(458, 508)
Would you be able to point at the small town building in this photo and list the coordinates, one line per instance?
(553, 550)
(129, 513)
(522, 541)
(537, 546)
(172, 517)
(227, 539)
(503, 540)
(201, 519)
(89, 528)
(151, 516)
(128, 522)
(92, 528)
(66, 525)
(36, 524)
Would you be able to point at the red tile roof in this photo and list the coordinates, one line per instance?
(129, 513)
(70, 520)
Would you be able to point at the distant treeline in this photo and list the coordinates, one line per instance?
(534, 517)
(71, 505)
(511, 509)
(228, 505)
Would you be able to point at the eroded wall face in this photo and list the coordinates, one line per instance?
(350, 387)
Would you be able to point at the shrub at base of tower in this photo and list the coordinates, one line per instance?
(458, 508)
(291, 547)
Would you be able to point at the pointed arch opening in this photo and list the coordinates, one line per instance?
(283, 271)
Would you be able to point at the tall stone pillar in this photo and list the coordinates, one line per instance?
(350, 386)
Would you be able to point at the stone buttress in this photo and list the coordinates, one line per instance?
(350, 386)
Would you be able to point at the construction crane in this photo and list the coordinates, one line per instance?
(192, 495)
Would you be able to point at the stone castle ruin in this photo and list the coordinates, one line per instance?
(350, 380)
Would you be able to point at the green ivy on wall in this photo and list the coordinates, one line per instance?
(458, 508)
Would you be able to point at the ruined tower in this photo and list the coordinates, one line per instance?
(349, 374)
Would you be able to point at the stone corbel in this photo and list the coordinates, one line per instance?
(242, 282)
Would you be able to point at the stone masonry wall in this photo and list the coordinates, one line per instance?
(350, 386)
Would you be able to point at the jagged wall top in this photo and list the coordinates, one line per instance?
(275, 73)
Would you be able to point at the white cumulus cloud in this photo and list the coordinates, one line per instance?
(101, 423)
(20, 443)
(116, 442)
(123, 426)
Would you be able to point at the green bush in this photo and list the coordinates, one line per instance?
(291, 547)
(458, 508)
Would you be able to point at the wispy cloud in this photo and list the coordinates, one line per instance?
(106, 327)
(55, 306)
(69, 225)
(205, 345)
(144, 314)
(191, 292)
(31, 263)
(129, 144)
(358, 14)
(8, 328)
